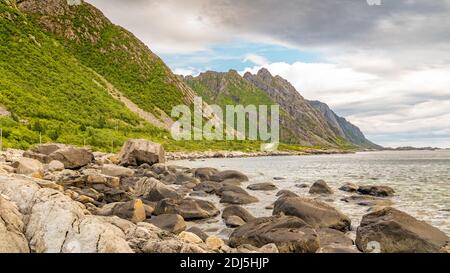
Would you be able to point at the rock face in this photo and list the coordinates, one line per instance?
(153, 190)
(173, 223)
(12, 228)
(139, 151)
(28, 166)
(320, 187)
(315, 213)
(289, 234)
(397, 232)
(189, 209)
(379, 191)
(73, 158)
(262, 187)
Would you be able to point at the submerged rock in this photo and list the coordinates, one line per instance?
(378, 191)
(349, 187)
(320, 187)
(392, 231)
(227, 175)
(262, 187)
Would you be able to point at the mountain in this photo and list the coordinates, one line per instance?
(346, 129)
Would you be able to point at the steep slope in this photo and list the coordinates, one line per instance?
(112, 52)
(306, 121)
(346, 129)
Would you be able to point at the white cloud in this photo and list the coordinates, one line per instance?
(256, 59)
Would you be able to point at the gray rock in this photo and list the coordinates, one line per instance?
(237, 198)
(320, 187)
(289, 234)
(139, 151)
(379, 191)
(227, 175)
(204, 174)
(118, 171)
(262, 187)
(313, 212)
(208, 187)
(189, 209)
(173, 223)
(12, 228)
(73, 158)
(153, 190)
(237, 211)
(28, 166)
(349, 187)
(394, 231)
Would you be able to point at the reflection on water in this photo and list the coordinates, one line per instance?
(421, 180)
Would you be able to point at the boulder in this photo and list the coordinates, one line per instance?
(332, 237)
(173, 223)
(349, 187)
(153, 190)
(200, 233)
(109, 181)
(320, 187)
(118, 171)
(47, 149)
(231, 197)
(289, 234)
(237, 211)
(139, 151)
(234, 221)
(28, 166)
(262, 187)
(133, 210)
(189, 209)
(368, 201)
(73, 158)
(45, 159)
(208, 187)
(393, 231)
(227, 175)
(313, 212)
(12, 228)
(214, 243)
(378, 191)
(205, 173)
(189, 237)
(231, 188)
(55, 166)
(286, 193)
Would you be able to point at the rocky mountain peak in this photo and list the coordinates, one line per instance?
(264, 73)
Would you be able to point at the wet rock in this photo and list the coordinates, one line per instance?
(204, 174)
(200, 233)
(313, 212)
(189, 209)
(302, 186)
(208, 187)
(234, 221)
(118, 171)
(227, 175)
(153, 190)
(28, 166)
(12, 228)
(378, 191)
(139, 151)
(393, 231)
(237, 211)
(367, 201)
(238, 198)
(289, 234)
(286, 193)
(262, 187)
(73, 158)
(320, 187)
(349, 187)
(173, 223)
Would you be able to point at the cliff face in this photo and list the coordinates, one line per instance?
(346, 129)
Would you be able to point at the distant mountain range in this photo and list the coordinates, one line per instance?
(67, 74)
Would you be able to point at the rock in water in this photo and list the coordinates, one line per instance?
(12, 228)
(204, 174)
(189, 209)
(378, 191)
(392, 231)
(320, 187)
(349, 187)
(237, 211)
(289, 234)
(73, 158)
(313, 212)
(262, 187)
(173, 223)
(28, 166)
(139, 151)
(231, 197)
(229, 175)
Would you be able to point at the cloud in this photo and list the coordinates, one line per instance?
(256, 59)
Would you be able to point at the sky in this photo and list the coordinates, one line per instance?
(382, 64)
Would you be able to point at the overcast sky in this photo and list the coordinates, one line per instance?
(384, 67)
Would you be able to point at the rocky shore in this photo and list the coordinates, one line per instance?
(62, 199)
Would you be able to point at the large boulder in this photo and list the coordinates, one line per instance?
(378, 191)
(173, 223)
(262, 187)
(12, 228)
(229, 175)
(140, 151)
(231, 197)
(393, 231)
(48, 149)
(237, 211)
(114, 170)
(73, 158)
(153, 190)
(205, 173)
(289, 234)
(313, 212)
(133, 210)
(208, 187)
(189, 209)
(28, 166)
(320, 187)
